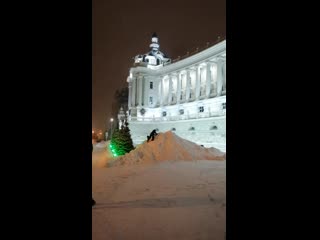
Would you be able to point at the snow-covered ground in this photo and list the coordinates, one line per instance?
(160, 191)
(100, 155)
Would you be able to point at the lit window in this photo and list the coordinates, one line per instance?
(151, 85)
(201, 109)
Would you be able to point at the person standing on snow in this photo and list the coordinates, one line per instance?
(152, 135)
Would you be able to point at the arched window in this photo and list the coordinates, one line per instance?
(214, 128)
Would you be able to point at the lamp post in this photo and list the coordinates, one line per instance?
(93, 136)
(100, 135)
(111, 127)
(93, 133)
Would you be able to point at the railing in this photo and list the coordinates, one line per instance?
(198, 49)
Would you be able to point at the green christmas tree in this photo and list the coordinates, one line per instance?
(121, 142)
(114, 143)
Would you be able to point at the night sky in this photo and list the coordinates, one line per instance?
(122, 29)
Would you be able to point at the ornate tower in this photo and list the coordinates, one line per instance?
(154, 43)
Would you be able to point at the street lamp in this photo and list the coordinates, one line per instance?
(111, 126)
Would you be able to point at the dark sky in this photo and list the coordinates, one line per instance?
(122, 29)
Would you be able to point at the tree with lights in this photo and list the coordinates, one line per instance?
(121, 141)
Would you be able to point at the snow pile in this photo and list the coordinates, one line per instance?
(101, 144)
(168, 147)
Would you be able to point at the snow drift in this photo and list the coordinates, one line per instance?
(101, 144)
(167, 147)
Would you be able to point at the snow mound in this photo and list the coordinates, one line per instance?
(168, 147)
(101, 144)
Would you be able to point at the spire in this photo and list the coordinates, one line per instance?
(154, 43)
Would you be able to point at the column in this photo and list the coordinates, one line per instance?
(188, 85)
(178, 87)
(146, 88)
(224, 76)
(170, 90)
(158, 89)
(161, 91)
(197, 82)
(140, 91)
(129, 97)
(219, 77)
(134, 82)
(208, 80)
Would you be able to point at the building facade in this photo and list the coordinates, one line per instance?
(187, 96)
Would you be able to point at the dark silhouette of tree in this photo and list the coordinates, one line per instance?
(120, 100)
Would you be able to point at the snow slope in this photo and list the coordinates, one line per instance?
(167, 147)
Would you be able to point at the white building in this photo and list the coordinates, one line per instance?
(187, 96)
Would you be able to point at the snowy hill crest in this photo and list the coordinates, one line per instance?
(168, 147)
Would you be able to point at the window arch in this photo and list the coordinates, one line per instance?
(213, 128)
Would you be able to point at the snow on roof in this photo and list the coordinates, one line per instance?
(168, 147)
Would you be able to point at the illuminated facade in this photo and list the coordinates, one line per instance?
(187, 96)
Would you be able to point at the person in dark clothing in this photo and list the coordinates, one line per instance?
(93, 201)
(152, 135)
